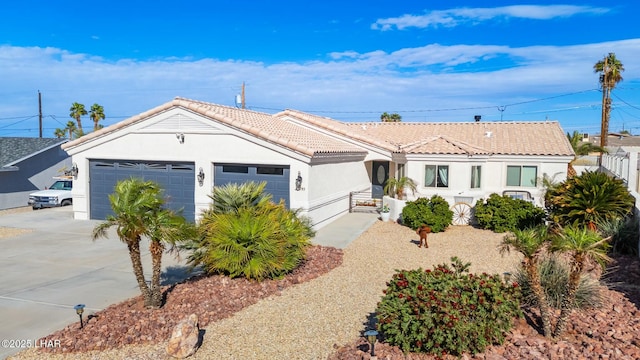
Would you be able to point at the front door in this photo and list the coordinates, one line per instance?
(379, 177)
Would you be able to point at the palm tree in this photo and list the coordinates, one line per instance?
(580, 148)
(395, 187)
(96, 114)
(137, 207)
(60, 133)
(610, 69)
(231, 197)
(386, 117)
(77, 112)
(166, 227)
(245, 234)
(71, 128)
(584, 245)
(531, 243)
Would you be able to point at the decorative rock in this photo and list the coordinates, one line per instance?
(184, 338)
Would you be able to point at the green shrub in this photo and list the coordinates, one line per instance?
(245, 234)
(588, 199)
(433, 212)
(447, 310)
(554, 278)
(503, 213)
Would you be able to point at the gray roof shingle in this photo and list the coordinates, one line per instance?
(15, 149)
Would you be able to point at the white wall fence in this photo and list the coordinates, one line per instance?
(624, 166)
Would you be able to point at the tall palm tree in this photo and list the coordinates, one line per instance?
(531, 243)
(584, 245)
(77, 111)
(96, 114)
(60, 133)
(136, 204)
(71, 128)
(610, 69)
(580, 148)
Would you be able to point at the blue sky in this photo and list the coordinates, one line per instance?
(352, 61)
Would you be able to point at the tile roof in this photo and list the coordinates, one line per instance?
(507, 138)
(268, 127)
(16, 149)
(311, 134)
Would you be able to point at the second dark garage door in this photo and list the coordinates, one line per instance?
(276, 177)
(177, 180)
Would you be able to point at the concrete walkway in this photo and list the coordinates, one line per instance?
(47, 271)
(342, 231)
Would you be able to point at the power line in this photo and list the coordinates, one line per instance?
(500, 107)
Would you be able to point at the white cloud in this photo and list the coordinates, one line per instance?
(349, 86)
(459, 16)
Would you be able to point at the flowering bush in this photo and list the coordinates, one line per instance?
(447, 310)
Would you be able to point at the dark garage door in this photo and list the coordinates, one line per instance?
(276, 176)
(177, 180)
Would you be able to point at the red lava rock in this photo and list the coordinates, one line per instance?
(610, 332)
(212, 298)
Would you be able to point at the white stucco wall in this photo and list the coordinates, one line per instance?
(329, 188)
(205, 145)
(493, 175)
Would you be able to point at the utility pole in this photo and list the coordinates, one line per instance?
(604, 125)
(243, 100)
(40, 112)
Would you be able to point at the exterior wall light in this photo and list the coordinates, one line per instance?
(200, 177)
(299, 182)
(79, 310)
(74, 170)
(371, 338)
(180, 137)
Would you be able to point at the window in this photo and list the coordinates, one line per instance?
(436, 176)
(268, 170)
(476, 172)
(239, 169)
(525, 176)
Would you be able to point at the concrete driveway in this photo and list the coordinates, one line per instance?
(45, 272)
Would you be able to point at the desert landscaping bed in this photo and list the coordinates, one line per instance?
(331, 304)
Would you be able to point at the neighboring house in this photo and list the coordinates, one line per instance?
(614, 140)
(28, 165)
(310, 162)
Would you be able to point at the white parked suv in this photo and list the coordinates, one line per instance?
(58, 194)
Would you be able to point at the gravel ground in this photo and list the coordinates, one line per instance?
(311, 319)
(9, 231)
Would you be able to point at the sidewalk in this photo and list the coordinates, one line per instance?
(342, 231)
